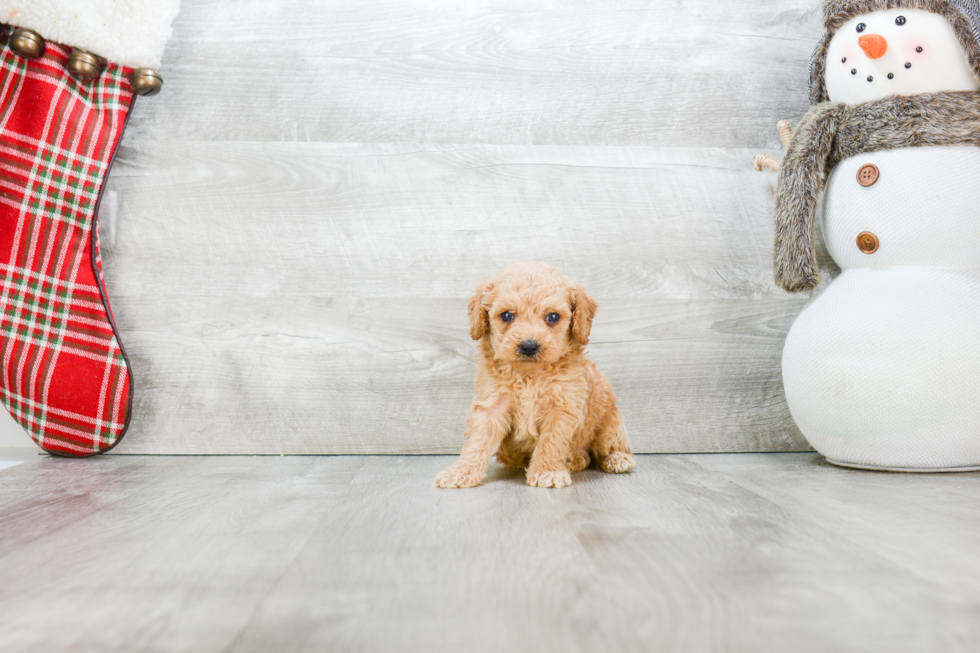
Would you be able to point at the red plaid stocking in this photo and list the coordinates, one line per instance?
(64, 375)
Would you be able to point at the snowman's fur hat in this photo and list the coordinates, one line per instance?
(963, 16)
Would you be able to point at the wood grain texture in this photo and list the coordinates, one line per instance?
(322, 311)
(307, 205)
(568, 72)
(745, 552)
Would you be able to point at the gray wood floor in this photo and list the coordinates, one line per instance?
(734, 552)
(309, 202)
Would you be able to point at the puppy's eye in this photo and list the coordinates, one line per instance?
(507, 316)
(900, 20)
(553, 318)
(861, 27)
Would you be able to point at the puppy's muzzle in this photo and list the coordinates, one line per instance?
(528, 348)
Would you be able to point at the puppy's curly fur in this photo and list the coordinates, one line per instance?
(540, 404)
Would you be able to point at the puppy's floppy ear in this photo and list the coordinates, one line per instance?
(479, 318)
(583, 310)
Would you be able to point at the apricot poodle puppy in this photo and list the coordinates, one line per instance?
(540, 404)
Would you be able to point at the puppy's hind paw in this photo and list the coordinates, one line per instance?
(618, 462)
(549, 478)
(511, 461)
(455, 476)
(577, 461)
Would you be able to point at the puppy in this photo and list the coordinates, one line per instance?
(540, 404)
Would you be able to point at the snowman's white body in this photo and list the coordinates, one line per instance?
(883, 368)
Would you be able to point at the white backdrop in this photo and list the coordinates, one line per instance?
(11, 434)
(306, 206)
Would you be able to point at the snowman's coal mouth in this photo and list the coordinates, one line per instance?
(871, 78)
(908, 65)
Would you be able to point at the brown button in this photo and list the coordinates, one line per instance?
(867, 242)
(867, 174)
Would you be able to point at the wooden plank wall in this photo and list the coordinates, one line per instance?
(309, 202)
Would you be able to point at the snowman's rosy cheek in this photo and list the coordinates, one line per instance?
(914, 50)
(849, 55)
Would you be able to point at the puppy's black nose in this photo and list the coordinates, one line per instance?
(529, 348)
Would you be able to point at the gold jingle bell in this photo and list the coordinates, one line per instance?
(84, 64)
(146, 82)
(27, 43)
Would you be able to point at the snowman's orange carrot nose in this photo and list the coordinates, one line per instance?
(874, 45)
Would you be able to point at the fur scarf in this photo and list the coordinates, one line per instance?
(831, 132)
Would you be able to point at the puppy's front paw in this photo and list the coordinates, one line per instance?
(458, 476)
(548, 478)
(618, 462)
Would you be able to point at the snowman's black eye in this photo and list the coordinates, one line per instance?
(900, 20)
(891, 75)
(861, 27)
(870, 78)
(844, 60)
(919, 49)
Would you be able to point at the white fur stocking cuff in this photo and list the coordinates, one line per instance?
(127, 32)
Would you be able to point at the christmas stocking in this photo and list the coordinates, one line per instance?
(69, 72)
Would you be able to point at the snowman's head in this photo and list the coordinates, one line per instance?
(876, 48)
(895, 51)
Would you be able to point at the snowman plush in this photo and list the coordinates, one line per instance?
(882, 369)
